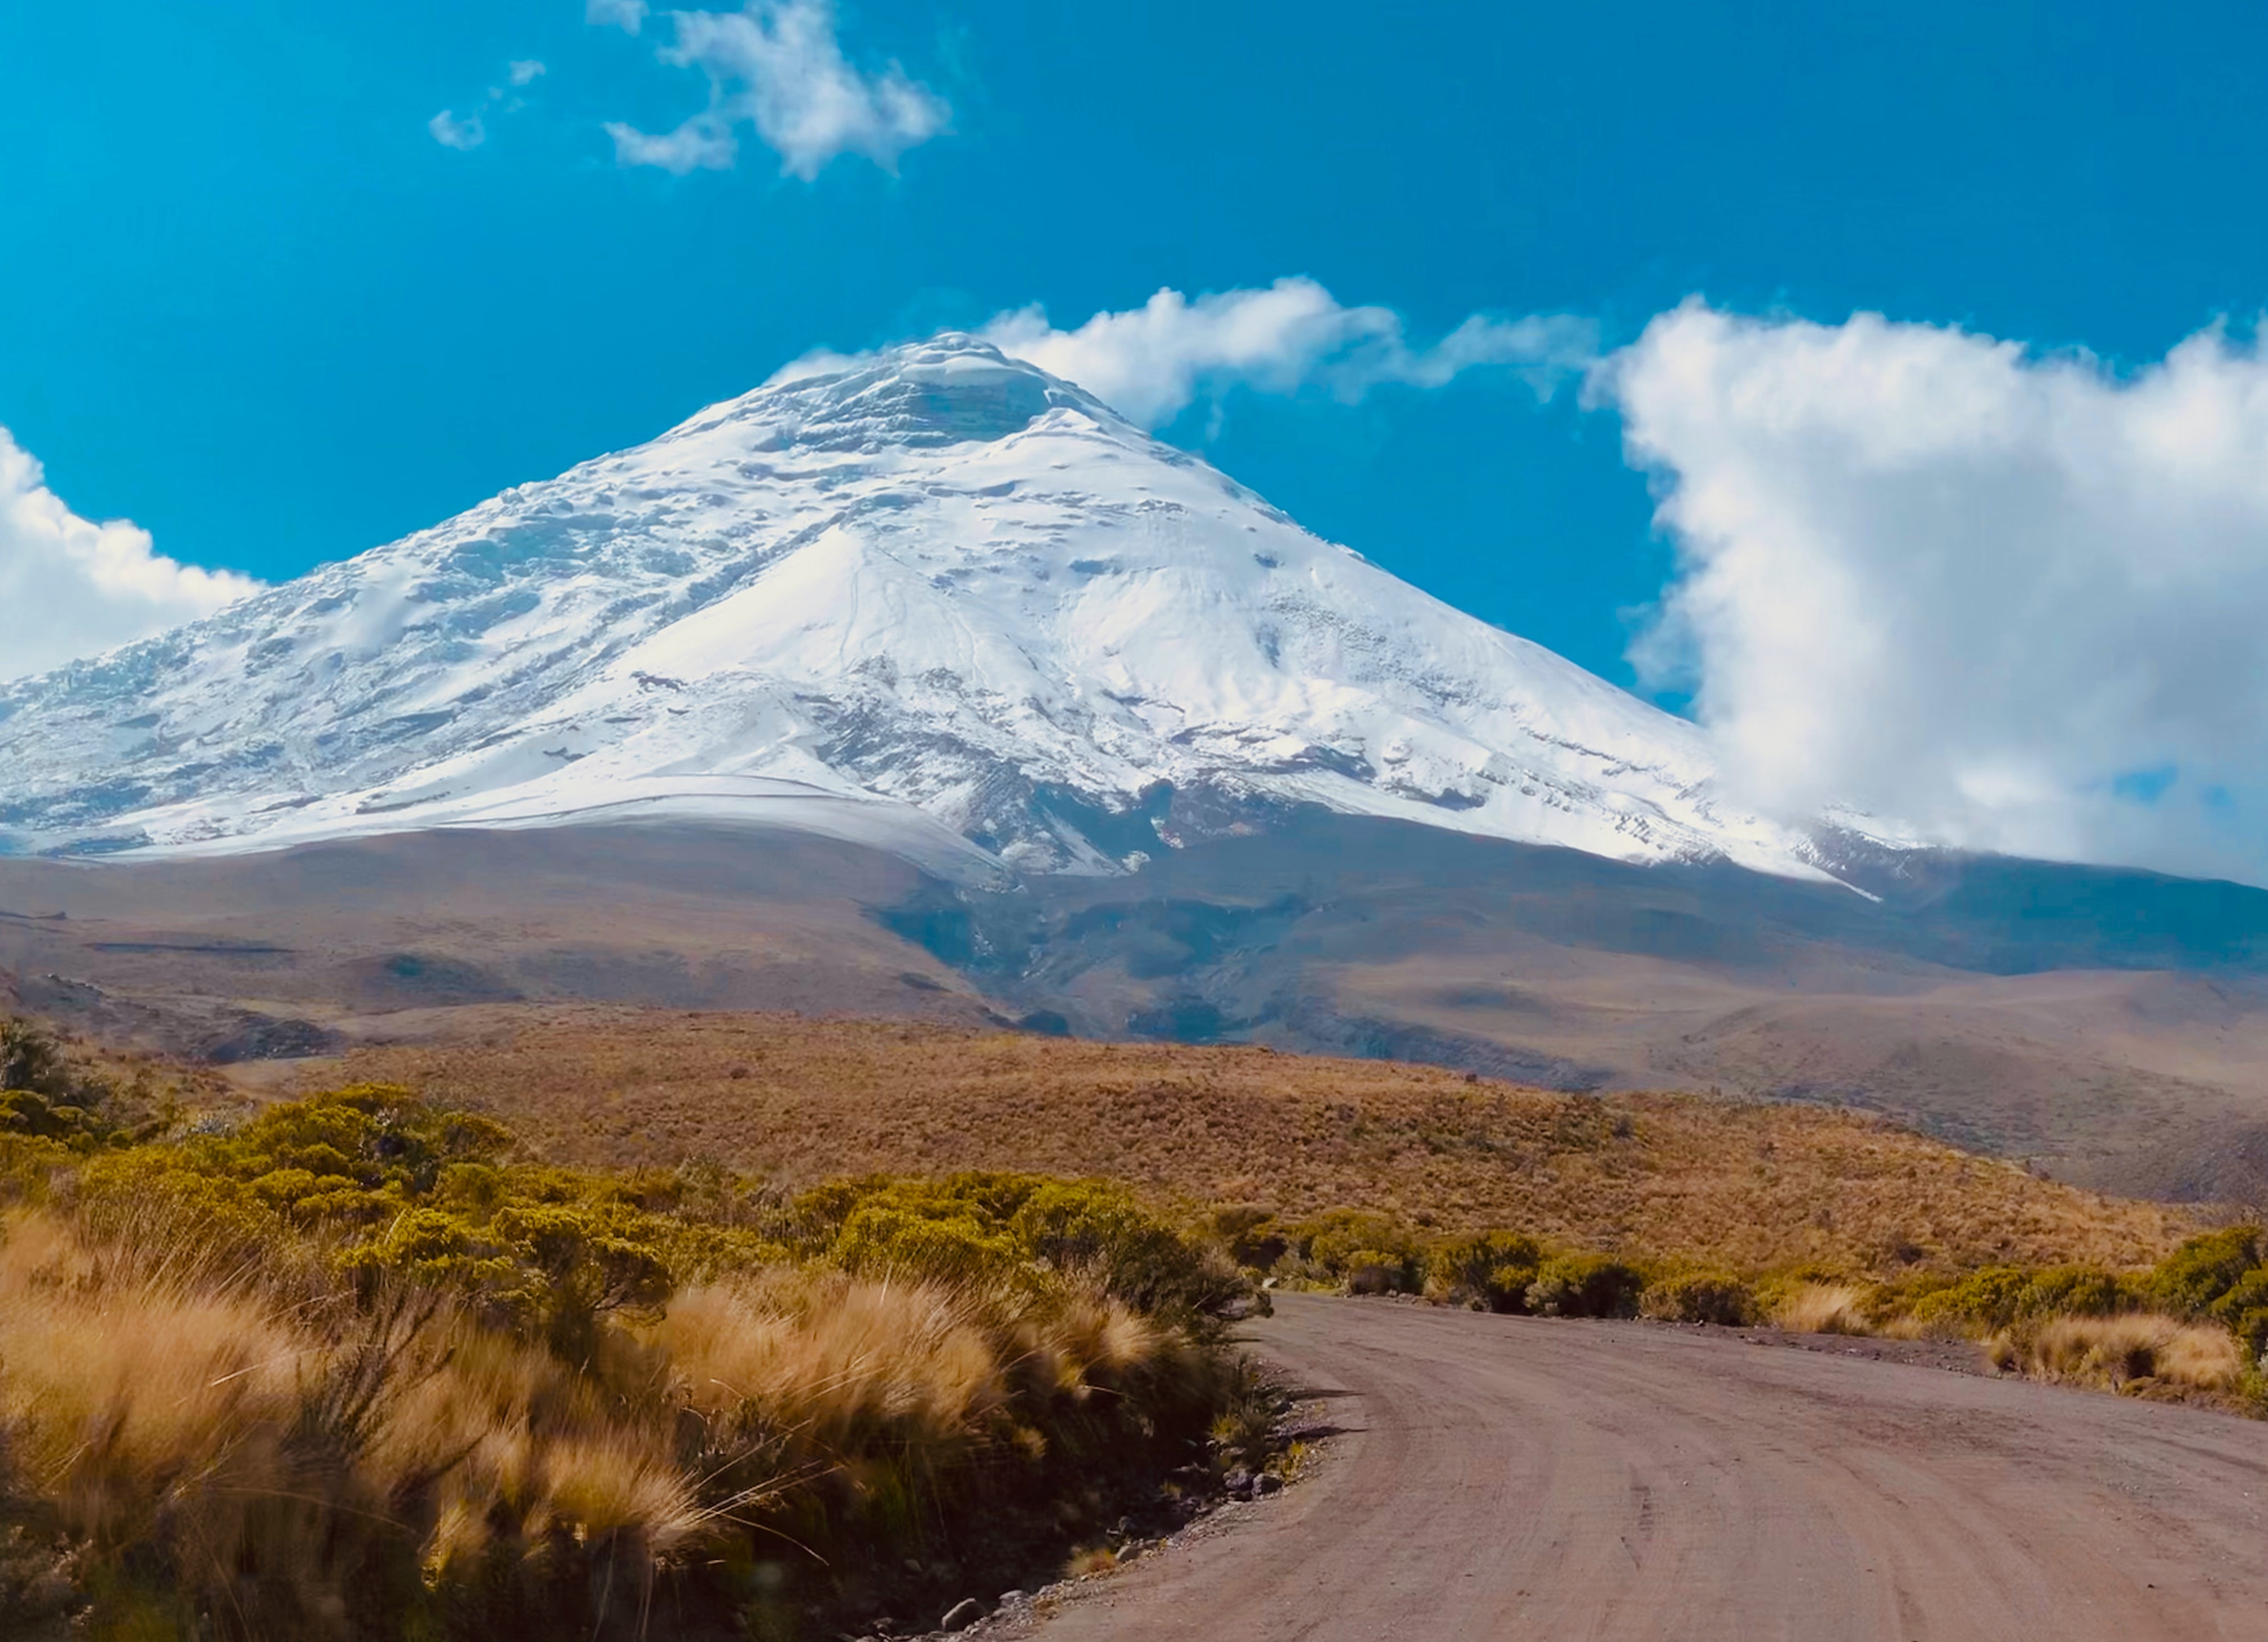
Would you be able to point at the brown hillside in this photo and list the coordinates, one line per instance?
(1678, 1175)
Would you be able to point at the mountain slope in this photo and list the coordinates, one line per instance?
(936, 600)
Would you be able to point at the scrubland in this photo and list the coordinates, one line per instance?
(632, 1325)
(2193, 1325)
(355, 1366)
(1748, 1186)
(1678, 1208)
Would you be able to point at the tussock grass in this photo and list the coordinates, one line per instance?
(1811, 1307)
(2130, 1352)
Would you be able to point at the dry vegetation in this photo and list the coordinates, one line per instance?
(364, 1364)
(2137, 1351)
(356, 1367)
(1714, 1183)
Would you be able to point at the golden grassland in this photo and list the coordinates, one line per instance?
(1746, 1186)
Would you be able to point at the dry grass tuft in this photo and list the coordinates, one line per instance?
(1819, 1308)
(142, 1398)
(1095, 1559)
(2136, 1350)
(836, 1358)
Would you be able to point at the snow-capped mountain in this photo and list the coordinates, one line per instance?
(936, 599)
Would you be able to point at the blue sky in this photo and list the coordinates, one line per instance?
(252, 302)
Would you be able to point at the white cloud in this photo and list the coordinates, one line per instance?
(79, 587)
(470, 131)
(1152, 361)
(2018, 601)
(704, 143)
(776, 66)
(627, 15)
(451, 132)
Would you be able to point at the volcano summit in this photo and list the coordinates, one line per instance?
(934, 598)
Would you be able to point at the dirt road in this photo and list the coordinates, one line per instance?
(1505, 1477)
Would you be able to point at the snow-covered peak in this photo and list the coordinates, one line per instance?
(951, 390)
(935, 597)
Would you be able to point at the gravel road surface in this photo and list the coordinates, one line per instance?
(1509, 1477)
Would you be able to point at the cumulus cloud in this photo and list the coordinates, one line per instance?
(2015, 600)
(84, 587)
(1151, 363)
(776, 66)
(451, 132)
(524, 71)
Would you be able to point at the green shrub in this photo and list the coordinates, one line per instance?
(1485, 1268)
(1585, 1285)
(1378, 1271)
(883, 1240)
(1997, 1298)
(1252, 1235)
(45, 1096)
(26, 1112)
(1008, 1228)
(1985, 1300)
(1715, 1297)
(1088, 1227)
(1353, 1245)
(2190, 1279)
(2243, 1311)
(2076, 1292)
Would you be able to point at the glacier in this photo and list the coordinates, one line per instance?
(933, 599)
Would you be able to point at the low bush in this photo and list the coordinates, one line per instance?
(1999, 1297)
(53, 1103)
(1716, 1297)
(1585, 1285)
(2203, 1269)
(1363, 1252)
(2243, 1311)
(1492, 1270)
(2078, 1292)
(1251, 1235)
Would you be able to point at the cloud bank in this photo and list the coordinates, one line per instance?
(777, 67)
(2018, 602)
(1151, 363)
(79, 587)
